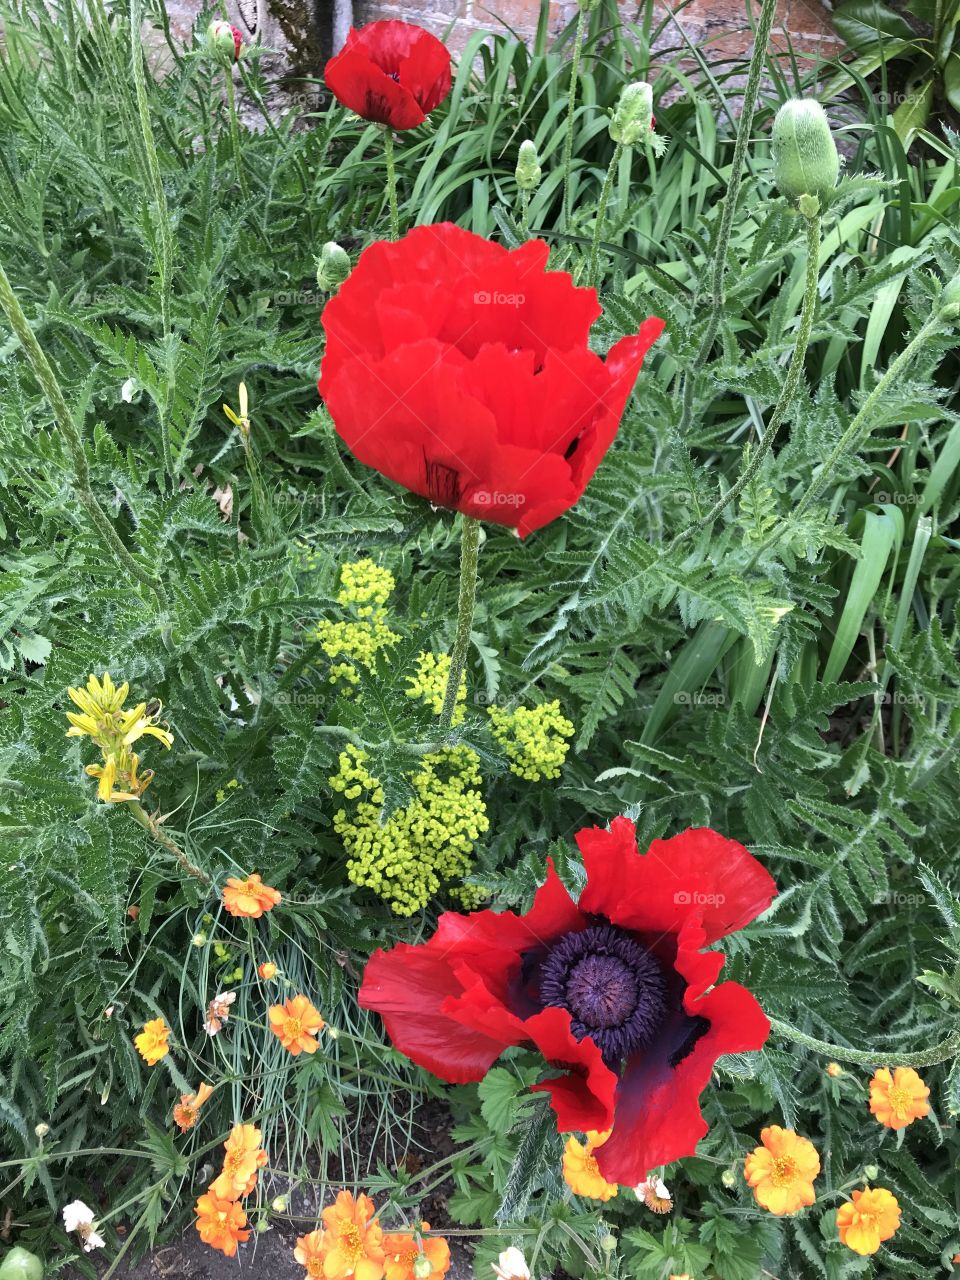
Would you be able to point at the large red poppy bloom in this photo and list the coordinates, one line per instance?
(462, 370)
(614, 990)
(391, 72)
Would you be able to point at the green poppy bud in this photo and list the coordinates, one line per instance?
(950, 299)
(528, 172)
(224, 42)
(805, 159)
(728, 1178)
(422, 1266)
(333, 266)
(20, 1264)
(632, 120)
(870, 1171)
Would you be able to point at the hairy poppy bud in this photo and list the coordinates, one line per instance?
(224, 41)
(950, 299)
(632, 119)
(805, 159)
(20, 1264)
(528, 172)
(333, 266)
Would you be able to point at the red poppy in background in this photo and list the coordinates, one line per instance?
(462, 370)
(393, 73)
(614, 990)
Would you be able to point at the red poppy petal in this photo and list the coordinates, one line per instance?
(425, 71)
(361, 86)
(583, 1098)
(409, 987)
(697, 873)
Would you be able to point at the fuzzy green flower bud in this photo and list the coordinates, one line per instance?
(199, 939)
(333, 266)
(20, 1264)
(950, 299)
(632, 120)
(728, 1178)
(870, 1172)
(224, 42)
(805, 158)
(608, 1243)
(279, 1204)
(422, 1266)
(41, 1131)
(528, 172)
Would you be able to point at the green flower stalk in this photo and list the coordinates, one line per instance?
(585, 6)
(333, 267)
(469, 556)
(632, 124)
(805, 157)
(391, 183)
(528, 174)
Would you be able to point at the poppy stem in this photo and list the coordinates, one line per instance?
(469, 554)
(942, 1052)
(594, 276)
(572, 106)
(235, 131)
(391, 183)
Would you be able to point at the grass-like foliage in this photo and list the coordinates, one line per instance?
(749, 622)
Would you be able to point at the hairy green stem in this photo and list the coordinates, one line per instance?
(860, 424)
(719, 267)
(787, 392)
(572, 107)
(68, 429)
(235, 130)
(161, 212)
(469, 555)
(593, 277)
(152, 826)
(391, 183)
(942, 1052)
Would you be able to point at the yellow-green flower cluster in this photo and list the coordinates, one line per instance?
(430, 684)
(535, 739)
(365, 588)
(421, 846)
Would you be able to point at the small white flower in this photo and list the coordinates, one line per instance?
(76, 1215)
(92, 1241)
(512, 1265)
(129, 390)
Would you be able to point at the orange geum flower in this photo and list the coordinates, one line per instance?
(310, 1252)
(249, 898)
(152, 1041)
(782, 1171)
(295, 1023)
(869, 1217)
(240, 1164)
(220, 1223)
(268, 970)
(402, 1251)
(899, 1099)
(353, 1244)
(581, 1171)
(187, 1111)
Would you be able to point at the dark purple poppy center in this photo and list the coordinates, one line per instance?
(611, 986)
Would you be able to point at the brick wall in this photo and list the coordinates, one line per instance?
(302, 28)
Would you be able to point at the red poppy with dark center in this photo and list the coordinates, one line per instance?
(614, 990)
(462, 370)
(393, 73)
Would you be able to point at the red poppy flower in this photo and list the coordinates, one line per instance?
(393, 73)
(462, 370)
(614, 990)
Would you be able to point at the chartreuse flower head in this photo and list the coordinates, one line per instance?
(430, 684)
(528, 172)
(114, 729)
(805, 158)
(632, 123)
(365, 588)
(535, 739)
(333, 266)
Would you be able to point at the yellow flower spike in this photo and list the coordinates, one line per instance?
(241, 420)
(114, 730)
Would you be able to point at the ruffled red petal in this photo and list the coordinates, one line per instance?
(695, 874)
(582, 1098)
(657, 1117)
(390, 72)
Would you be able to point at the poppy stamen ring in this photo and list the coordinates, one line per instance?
(610, 984)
